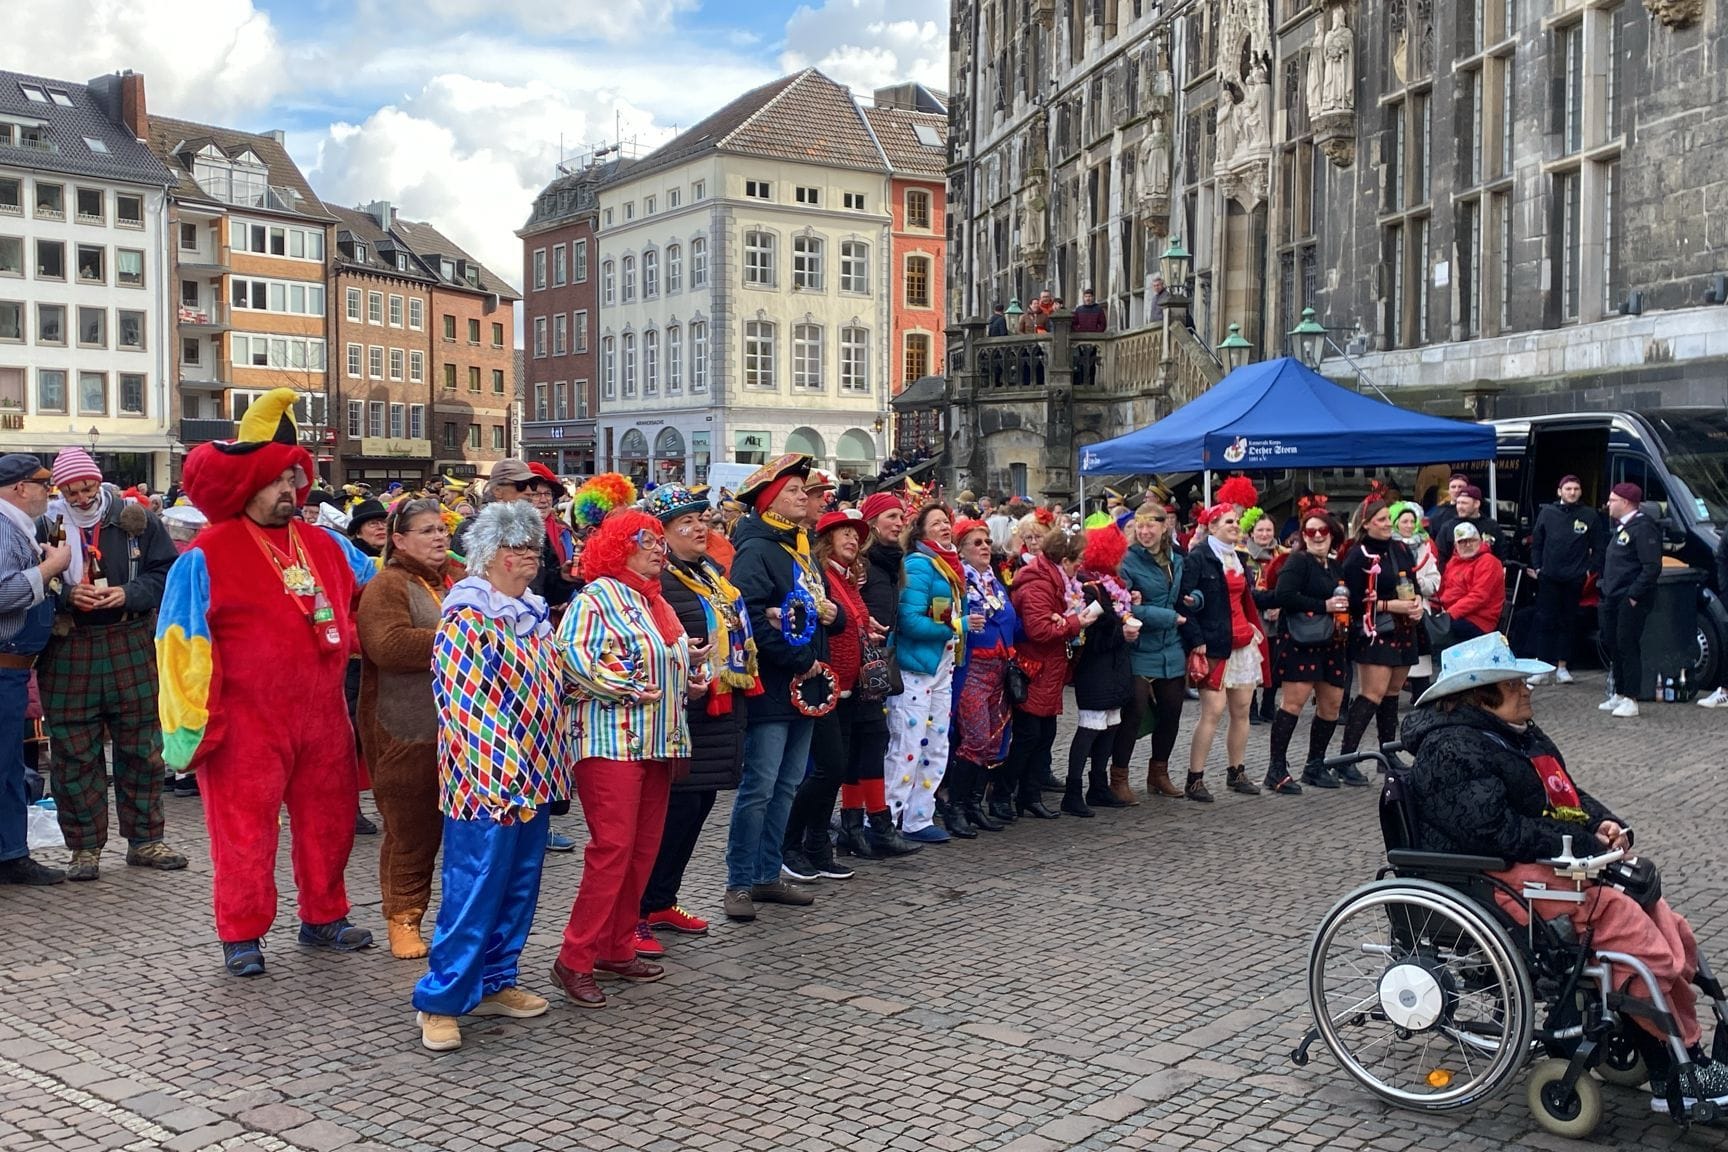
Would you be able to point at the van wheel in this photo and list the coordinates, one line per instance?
(1708, 664)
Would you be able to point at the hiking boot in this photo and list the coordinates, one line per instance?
(243, 957)
(517, 1003)
(1197, 789)
(647, 946)
(155, 855)
(86, 864)
(636, 970)
(337, 936)
(781, 893)
(1316, 775)
(739, 905)
(793, 866)
(676, 919)
(403, 932)
(1237, 781)
(25, 870)
(439, 1033)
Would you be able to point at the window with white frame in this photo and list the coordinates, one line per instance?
(375, 362)
(807, 263)
(277, 240)
(539, 337)
(854, 359)
(294, 297)
(417, 421)
(395, 311)
(759, 189)
(579, 330)
(579, 261)
(759, 355)
(699, 356)
(629, 353)
(698, 190)
(650, 274)
(560, 272)
(560, 400)
(356, 419)
(416, 313)
(398, 420)
(807, 195)
(397, 364)
(356, 361)
(650, 363)
(560, 334)
(648, 206)
(608, 368)
(541, 412)
(807, 358)
(539, 269)
(375, 418)
(672, 197)
(416, 367)
(674, 360)
(759, 258)
(854, 266)
(699, 263)
(674, 268)
(290, 352)
(608, 282)
(853, 201)
(354, 305)
(375, 308)
(627, 272)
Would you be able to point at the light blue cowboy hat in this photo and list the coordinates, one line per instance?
(1484, 660)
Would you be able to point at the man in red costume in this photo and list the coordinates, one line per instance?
(252, 640)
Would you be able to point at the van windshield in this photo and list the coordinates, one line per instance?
(1698, 454)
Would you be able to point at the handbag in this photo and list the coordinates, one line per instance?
(1199, 668)
(1309, 627)
(1440, 634)
(1017, 683)
(879, 672)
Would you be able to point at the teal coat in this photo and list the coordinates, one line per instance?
(921, 639)
(1158, 651)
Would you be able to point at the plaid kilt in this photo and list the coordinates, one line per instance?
(110, 668)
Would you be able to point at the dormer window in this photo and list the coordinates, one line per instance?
(401, 261)
(447, 269)
(359, 252)
(242, 180)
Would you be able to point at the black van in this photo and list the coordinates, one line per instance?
(1678, 456)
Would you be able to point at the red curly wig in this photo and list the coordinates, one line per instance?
(1104, 550)
(1238, 490)
(612, 543)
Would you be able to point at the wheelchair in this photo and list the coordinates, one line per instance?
(1434, 999)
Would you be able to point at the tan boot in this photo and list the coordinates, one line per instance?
(1119, 787)
(404, 930)
(1158, 782)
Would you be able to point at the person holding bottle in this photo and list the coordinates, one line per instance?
(1313, 659)
(1385, 613)
(982, 715)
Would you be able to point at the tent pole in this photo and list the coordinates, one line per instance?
(1207, 472)
(1494, 490)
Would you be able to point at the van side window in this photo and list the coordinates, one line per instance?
(1637, 470)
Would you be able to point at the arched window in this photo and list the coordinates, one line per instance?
(629, 273)
(608, 282)
(674, 269)
(699, 263)
(650, 274)
(759, 355)
(629, 366)
(807, 263)
(650, 363)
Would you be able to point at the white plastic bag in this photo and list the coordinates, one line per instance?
(42, 828)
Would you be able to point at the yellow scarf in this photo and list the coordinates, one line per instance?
(728, 627)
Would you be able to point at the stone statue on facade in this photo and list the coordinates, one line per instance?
(1253, 134)
(1338, 67)
(1676, 13)
(1033, 225)
(1154, 175)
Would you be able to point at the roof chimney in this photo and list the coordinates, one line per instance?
(383, 213)
(132, 111)
(278, 135)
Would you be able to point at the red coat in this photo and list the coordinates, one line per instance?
(1474, 589)
(1039, 592)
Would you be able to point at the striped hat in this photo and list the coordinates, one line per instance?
(74, 464)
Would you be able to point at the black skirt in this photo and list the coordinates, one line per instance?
(1392, 648)
(1326, 663)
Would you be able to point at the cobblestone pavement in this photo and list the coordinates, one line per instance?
(1130, 982)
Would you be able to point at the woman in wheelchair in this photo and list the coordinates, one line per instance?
(1488, 781)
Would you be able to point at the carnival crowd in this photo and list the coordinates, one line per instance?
(868, 681)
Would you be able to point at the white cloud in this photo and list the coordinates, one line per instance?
(609, 20)
(225, 58)
(870, 43)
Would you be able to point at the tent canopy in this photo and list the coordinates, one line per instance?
(1282, 414)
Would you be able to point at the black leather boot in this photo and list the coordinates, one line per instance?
(885, 838)
(953, 818)
(854, 841)
(972, 803)
(1074, 803)
(1001, 798)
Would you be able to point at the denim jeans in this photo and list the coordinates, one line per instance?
(775, 753)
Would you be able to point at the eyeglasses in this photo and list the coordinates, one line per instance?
(429, 530)
(1317, 533)
(649, 541)
(32, 480)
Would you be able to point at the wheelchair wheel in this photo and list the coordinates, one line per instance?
(1420, 995)
(1622, 1063)
(1573, 1114)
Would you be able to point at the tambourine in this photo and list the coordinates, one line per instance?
(820, 683)
(798, 606)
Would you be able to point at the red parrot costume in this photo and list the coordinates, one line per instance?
(252, 640)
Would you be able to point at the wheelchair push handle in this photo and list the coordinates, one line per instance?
(1381, 756)
(1581, 867)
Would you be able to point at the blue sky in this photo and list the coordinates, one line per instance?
(453, 109)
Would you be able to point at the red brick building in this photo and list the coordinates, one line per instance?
(560, 278)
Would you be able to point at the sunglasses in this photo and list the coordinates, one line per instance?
(1316, 533)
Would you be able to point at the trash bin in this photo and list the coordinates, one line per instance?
(1670, 642)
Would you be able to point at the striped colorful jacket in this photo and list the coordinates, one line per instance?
(612, 649)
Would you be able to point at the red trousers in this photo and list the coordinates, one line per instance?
(1660, 937)
(624, 802)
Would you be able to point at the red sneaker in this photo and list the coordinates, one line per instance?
(678, 920)
(646, 945)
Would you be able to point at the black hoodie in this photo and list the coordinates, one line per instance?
(764, 572)
(1476, 792)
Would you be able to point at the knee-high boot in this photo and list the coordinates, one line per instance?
(1278, 767)
(1362, 714)
(971, 799)
(1386, 723)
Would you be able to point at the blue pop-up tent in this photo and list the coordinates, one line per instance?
(1283, 414)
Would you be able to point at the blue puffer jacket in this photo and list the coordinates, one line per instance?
(922, 639)
(1158, 651)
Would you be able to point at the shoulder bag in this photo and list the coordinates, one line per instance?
(1309, 627)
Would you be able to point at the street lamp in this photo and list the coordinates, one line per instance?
(1237, 351)
(95, 433)
(1175, 267)
(1310, 337)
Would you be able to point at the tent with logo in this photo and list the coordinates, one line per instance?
(1283, 414)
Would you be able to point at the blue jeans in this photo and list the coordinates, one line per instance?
(491, 882)
(775, 753)
(14, 696)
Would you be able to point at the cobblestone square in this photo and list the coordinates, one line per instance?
(1130, 982)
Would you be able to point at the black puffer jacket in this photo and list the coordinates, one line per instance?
(716, 742)
(764, 572)
(1477, 793)
(883, 564)
(1102, 677)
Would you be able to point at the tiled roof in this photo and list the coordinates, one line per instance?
(897, 131)
(802, 117)
(356, 224)
(169, 138)
(573, 194)
(427, 241)
(81, 118)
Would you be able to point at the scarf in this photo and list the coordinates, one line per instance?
(780, 524)
(526, 615)
(665, 616)
(947, 561)
(1226, 553)
(807, 573)
(561, 539)
(60, 509)
(734, 646)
